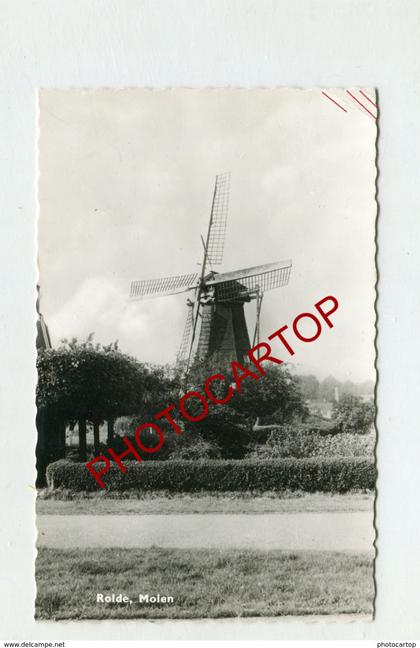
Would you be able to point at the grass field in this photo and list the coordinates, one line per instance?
(65, 503)
(204, 583)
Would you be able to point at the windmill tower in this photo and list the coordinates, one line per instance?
(216, 319)
(43, 340)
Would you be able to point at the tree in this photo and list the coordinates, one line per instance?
(224, 426)
(354, 415)
(327, 388)
(309, 386)
(82, 382)
(277, 395)
(230, 425)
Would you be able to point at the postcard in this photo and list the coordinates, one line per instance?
(206, 353)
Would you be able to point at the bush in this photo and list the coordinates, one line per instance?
(354, 415)
(310, 475)
(302, 443)
(318, 424)
(197, 449)
(117, 444)
(230, 426)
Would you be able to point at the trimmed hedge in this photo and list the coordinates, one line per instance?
(336, 475)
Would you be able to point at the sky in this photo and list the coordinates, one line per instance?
(126, 179)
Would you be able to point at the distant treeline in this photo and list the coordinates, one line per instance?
(314, 389)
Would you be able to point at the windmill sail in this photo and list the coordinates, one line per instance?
(213, 254)
(216, 319)
(237, 285)
(149, 288)
(218, 220)
(186, 336)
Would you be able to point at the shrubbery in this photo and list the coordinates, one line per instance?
(310, 475)
(300, 442)
(317, 424)
(354, 415)
(230, 426)
(195, 449)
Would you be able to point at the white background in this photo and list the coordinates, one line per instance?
(95, 43)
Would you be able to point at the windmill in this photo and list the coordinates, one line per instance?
(215, 312)
(43, 340)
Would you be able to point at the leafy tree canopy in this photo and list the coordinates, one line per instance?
(277, 394)
(313, 389)
(86, 380)
(230, 425)
(354, 415)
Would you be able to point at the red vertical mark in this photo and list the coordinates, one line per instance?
(337, 104)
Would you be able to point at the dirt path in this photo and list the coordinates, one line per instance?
(289, 531)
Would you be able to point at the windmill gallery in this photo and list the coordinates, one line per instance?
(239, 373)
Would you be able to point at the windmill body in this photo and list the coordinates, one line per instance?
(223, 327)
(215, 319)
(43, 340)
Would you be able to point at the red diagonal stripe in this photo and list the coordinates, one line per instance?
(366, 97)
(337, 104)
(360, 104)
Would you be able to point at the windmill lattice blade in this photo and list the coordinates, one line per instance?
(219, 212)
(149, 288)
(234, 285)
(185, 342)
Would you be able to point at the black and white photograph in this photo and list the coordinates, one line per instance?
(206, 354)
